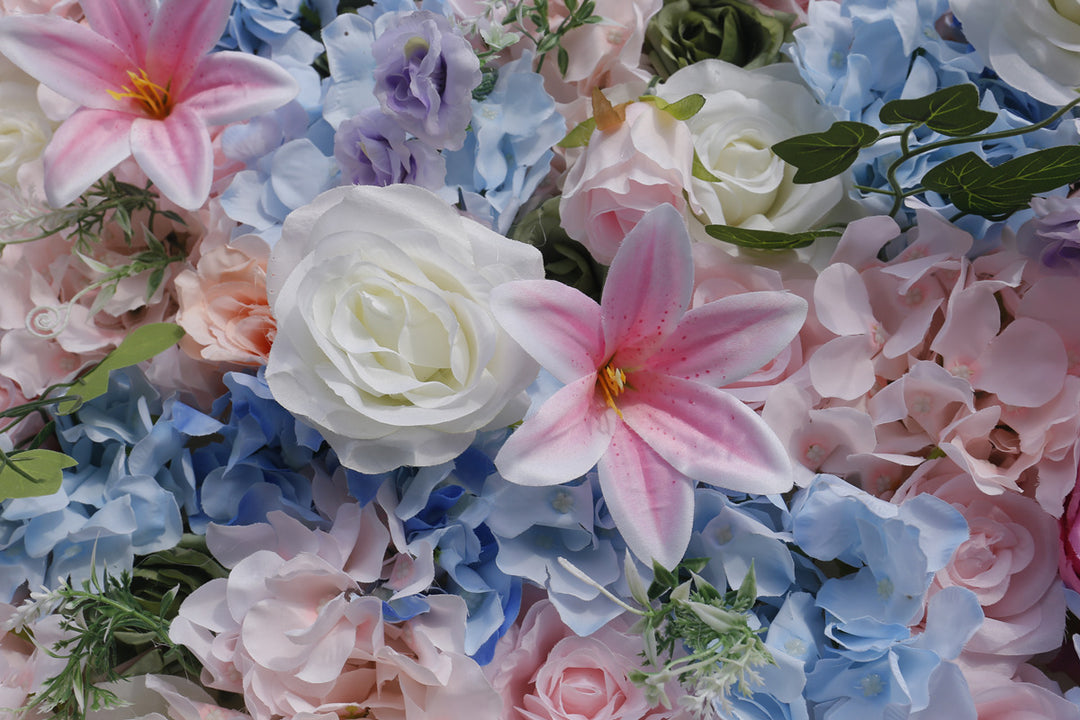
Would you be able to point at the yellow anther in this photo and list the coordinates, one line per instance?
(154, 98)
(612, 383)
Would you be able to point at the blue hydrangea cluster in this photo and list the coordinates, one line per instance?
(842, 580)
(444, 515)
(145, 466)
(860, 54)
(507, 152)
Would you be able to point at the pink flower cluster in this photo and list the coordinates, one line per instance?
(294, 630)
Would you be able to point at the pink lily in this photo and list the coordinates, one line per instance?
(641, 397)
(146, 87)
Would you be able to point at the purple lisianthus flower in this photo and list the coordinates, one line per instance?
(1053, 235)
(424, 76)
(371, 149)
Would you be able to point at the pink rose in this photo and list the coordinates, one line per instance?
(543, 671)
(223, 305)
(1009, 561)
(623, 173)
(1027, 694)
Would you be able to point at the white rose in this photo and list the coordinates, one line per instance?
(385, 339)
(1034, 45)
(24, 129)
(745, 113)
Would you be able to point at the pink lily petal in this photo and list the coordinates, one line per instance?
(842, 367)
(176, 155)
(89, 144)
(725, 340)
(649, 286)
(651, 503)
(125, 22)
(231, 86)
(562, 441)
(1025, 365)
(706, 434)
(79, 64)
(557, 325)
(184, 31)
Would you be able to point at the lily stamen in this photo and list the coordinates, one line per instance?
(153, 97)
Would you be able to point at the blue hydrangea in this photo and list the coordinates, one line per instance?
(271, 28)
(441, 509)
(860, 54)
(507, 152)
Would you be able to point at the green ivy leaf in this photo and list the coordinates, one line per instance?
(975, 187)
(46, 467)
(701, 172)
(580, 135)
(141, 344)
(822, 155)
(767, 239)
(952, 111)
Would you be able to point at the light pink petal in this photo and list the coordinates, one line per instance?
(725, 340)
(176, 155)
(562, 441)
(706, 434)
(841, 301)
(232, 86)
(89, 144)
(182, 33)
(125, 22)
(972, 319)
(67, 57)
(649, 286)
(842, 368)
(651, 503)
(556, 324)
(1025, 365)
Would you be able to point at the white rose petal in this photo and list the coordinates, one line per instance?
(385, 339)
(1034, 45)
(745, 113)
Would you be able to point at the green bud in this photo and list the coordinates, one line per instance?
(687, 31)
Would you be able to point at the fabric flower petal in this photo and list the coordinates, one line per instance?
(562, 441)
(125, 22)
(88, 145)
(706, 434)
(557, 325)
(648, 287)
(228, 86)
(184, 31)
(80, 64)
(1025, 365)
(175, 153)
(651, 503)
(725, 340)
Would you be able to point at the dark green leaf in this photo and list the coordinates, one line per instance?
(580, 135)
(547, 43)
(571, 5)
(975, 187)
(563, 59)
(142, 343)
(766, 239)
(747, 594)
(46, 467)
(154, 282)
(820, 156)
(950, 111)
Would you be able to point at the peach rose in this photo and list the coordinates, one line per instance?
(223, 305)
(1028, 694)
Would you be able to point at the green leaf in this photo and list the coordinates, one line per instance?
(683, 109)
(580, 135)
(975, 187)
(747, 594)
(951, 111)
(822, 155)
(701, 172)
(563, 59)
(142, 343)
(767, 239)
(154, 282)
(46, 467)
